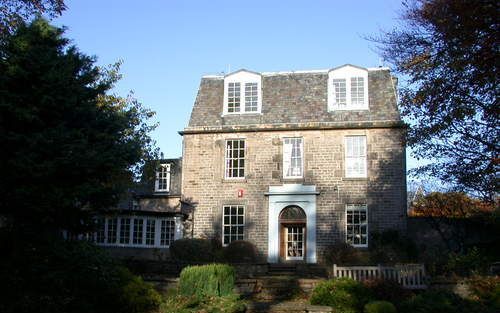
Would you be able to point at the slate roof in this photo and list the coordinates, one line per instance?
(295, 100)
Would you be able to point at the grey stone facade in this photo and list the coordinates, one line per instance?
(295, 104)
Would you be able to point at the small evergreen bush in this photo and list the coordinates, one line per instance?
(380, 307)
(207, 280)
(390, 247)
(345, 254)
(344, 294)
(466, 264)
(388, 290)
(486, 290)
(240, 251)
(440, 301)
(136, 295)
(195, 250)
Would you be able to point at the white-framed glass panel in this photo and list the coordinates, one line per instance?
(124, 230)
(251, 97)
(357, 225)
(357, 91)
(136, 231)
(162, 183)
(235, 158)
(295, 242)
(339, 92)
(233, 97)
(293, 153)
(112, 226)
(348, 88)
(150, 232)
(233, 223)
(100, 236)
(167, 232)
(355, 156)
(137, 235)
(242, 93)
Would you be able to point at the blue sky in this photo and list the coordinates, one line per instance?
(166, 46)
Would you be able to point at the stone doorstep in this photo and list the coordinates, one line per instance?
(288, 306)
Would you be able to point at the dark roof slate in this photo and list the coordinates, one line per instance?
(294, 98)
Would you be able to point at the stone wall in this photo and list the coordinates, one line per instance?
(384, 191)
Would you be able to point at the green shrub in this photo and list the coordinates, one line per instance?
(183, 304)
(195, 250)
(58, 276)
(240, 251)
(486, 290)
(137, 295)
(207, 280)
(380, 307)
(389, 247)
(344, 294)
(345, 254)
(388, 290)
(440, 301)
(472, 262)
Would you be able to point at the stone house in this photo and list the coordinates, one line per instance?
(149, 218)
(295, 161)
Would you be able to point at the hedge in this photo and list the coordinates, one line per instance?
(207, 280)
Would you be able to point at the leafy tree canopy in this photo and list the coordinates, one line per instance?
(69, 146)
(448, 51)
(14, 12)
(450, 205)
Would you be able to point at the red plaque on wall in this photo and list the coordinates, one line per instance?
(240, 193)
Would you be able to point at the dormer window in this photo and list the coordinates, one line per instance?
(242, 93)
(162, 182)
(348, 88)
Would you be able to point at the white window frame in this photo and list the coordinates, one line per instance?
(228, 167)
(162, 173)
(243, 77)
(347, 73)
(348, 159)
(357, 208)
(237, 206)
(175, 231)
(287, 159)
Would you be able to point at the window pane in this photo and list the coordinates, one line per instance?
(125, 230)
(112, 229)
(138, 231)
(233, 219)
(150, 231)
(356, 224)
(292, 157)
(357, 91)
(233, 99)
(339, 92)
(235, 158)
(251, 98)
(355, 156)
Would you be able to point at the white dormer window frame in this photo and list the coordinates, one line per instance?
(242, 93)
(162, 181)
(348, 89)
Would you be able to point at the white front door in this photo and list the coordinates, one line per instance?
(295, 242)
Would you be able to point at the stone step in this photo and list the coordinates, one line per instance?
(286, 307)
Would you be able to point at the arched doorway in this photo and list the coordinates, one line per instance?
(292, 223)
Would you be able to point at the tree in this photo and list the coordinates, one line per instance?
(69, 146)
(452, 215)
(448, 51)
(14, 12)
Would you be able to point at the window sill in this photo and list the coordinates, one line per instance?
(355, 178)
(234, 180)
(241, 113)
(332, 110)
